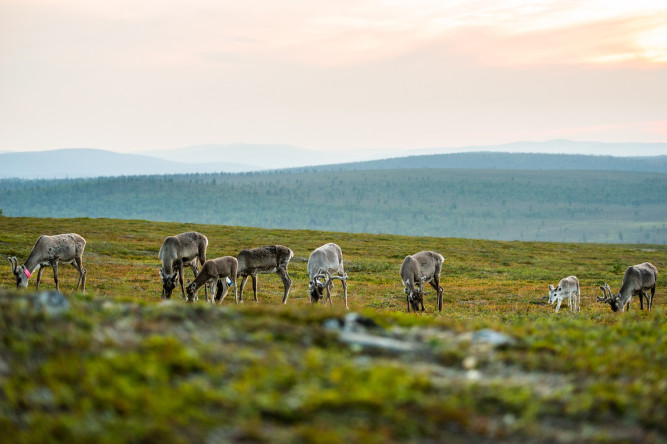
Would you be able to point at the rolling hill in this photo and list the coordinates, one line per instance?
(557, 205)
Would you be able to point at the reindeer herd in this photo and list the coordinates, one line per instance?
(325, 265)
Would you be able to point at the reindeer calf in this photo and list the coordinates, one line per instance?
(567, 287)
(215, 270)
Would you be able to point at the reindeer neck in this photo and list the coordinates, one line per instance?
(201, 279)
(33, 261)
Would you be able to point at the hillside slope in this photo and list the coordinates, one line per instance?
(567, 206)
(116, 365)
(509, 161)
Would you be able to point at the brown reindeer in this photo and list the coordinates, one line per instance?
(264, 260)
(182, 250)
(215, 272)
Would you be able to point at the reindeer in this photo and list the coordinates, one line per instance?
(418, 269)
(215, 271)
(49, 251)
(322, 262)
(637, 280)
(567, 287)
(263, 260)
(185, 249)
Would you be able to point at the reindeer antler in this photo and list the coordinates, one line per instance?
(13, 262)
(320, 274)
(331, 278)
(606, 297)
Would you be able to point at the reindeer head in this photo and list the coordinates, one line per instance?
(316, 289)
(21, 273)
(614, 300)
(168, 283)
(554, 293)
(415, 297)
(191, 291)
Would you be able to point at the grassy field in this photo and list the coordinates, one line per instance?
(121, 366)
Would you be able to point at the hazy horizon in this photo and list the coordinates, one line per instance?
(344, 76)
(556, 146)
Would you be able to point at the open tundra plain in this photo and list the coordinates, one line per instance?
(116, 364)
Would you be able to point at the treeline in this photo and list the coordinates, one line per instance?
(573, 206)
(508, 161)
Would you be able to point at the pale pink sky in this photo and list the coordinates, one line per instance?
(129, 75)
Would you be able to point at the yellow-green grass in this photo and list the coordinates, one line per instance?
(180, 372)
(480, 277)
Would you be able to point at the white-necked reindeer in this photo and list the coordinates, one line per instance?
(48, 252)
(214, 271)
(567, 288)
(418, 269)
(263, 260)
(637, 280)
(324, 261)
(182, 250)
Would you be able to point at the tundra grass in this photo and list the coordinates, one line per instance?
(122, 366)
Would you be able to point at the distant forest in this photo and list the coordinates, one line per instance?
(507, 161)
(565, 205)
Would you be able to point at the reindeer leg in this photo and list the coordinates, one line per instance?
(287, 282)
(558, 305)
(569, 302)
(243, 282)
(224, 289)
(54, 265)
(194, 266)
(39, 275)
(254, 286)
(345, 292)
(82, 273)
(438, 302)
(329, 287)
(180, 279)
(407, 299)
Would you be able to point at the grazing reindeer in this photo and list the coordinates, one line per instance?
(322, 262)
(48, 251)
(418, 269)
(185, 249)
(637, 280)
(263, 260)
(567, 287)
(212, 272)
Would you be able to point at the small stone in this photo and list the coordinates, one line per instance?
(51, 302)
(492, 337)
(473, 375)
(470, 362)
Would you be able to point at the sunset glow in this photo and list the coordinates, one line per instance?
(373, 74)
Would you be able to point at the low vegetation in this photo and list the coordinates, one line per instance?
(116, 364)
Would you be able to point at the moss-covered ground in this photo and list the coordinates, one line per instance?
(120, 365)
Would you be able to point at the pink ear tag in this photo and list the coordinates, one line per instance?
(27, 273)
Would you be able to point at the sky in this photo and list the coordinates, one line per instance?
(341, 76)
